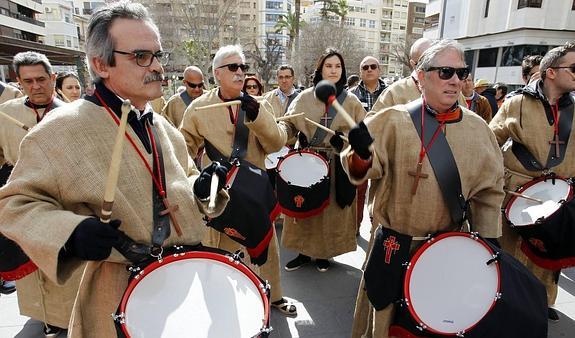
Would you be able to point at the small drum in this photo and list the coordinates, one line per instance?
(303, 184)
(456, 284)
(195, 293)
(273, 159)
(543, 212)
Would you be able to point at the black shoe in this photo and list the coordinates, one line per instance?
(297, 262)
(51, 331)
(7, 287)
(322, 265)
(552, 315)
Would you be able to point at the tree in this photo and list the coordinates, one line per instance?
(339, 8)
(400, 52)
(266, 61)
(313, 43)
(289, 22)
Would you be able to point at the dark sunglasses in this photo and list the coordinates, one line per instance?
(194, 85)
(233, 67)
(372, 66)
(251, 86)
(571, 68)
(446, 73)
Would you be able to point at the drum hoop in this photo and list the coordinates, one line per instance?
(416, 257)
(530, 184)
(228, 260)
(275, 152)
(303, 151)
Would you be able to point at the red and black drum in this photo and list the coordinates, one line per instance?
(543, 212)
(303, 183)
(204, 293)
(458, 284)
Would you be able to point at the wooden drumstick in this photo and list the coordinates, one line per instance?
(325, 92)
(224, 104)
(13, 120)
(63, 96)
(524, 196)
(287, 117)
(325, 128)
(114, 170)
(213, 192)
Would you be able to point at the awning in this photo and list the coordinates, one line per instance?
(57, 56)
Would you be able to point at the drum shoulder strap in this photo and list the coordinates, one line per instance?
(161, 228)
(320, 134)
(443, 163)
(186, 98)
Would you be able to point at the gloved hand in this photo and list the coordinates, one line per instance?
(250, 106)
(302, 140)
(261, 259)
(203, 183)
(360, 140)
(336, 141)
(92, 240)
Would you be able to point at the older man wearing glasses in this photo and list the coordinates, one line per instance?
(194, 82)
(393, 146)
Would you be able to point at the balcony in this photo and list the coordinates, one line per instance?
(22, 17)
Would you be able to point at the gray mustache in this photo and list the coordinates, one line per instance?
(153, 77)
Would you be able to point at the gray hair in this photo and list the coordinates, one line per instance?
(553, 57)
(30, 59)
(223, 53)
(428, 57)
(99, 42)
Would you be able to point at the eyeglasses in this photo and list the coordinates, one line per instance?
(446, 73)
(233, 67)
(373, 66)
(144, 58)
(287, 77)
(251, 86)
(571, 68)
(194, 85)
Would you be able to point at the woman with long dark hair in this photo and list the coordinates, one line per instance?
(68, 86)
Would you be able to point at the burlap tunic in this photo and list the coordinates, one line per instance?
(397, 147)
(8, 92)
(214, 126)
(278, 107)
(399, 92)
(332, 232)
(174, 110)
(59, 180)
(38, 297)
(522, 118)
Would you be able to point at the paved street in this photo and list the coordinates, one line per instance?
(325, 301)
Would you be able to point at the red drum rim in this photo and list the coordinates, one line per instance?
(418, 255)
(298, 152)
(187, 255)
(527, 186)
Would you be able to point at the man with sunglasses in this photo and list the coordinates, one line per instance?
(408, 200)
(194, 82)
(539, 117)
(52, 203)
(216, 129)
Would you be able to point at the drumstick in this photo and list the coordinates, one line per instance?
(325, 128)
(114, 170)
(524, 196)
(287, 117)
(213, 192)
(325, 91)
(13, 120)
(223, 104)
(63, 96)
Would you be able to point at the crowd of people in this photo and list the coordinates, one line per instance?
(429, 153)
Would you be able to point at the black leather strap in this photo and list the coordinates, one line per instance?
(240, 146)
(161, 229)
(186, 98)
(320, 134)
(442, 162)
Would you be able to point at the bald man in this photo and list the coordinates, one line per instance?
(194, 81)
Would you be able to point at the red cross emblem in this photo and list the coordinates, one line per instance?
(298, 201)
(538, 244)
(390, 246)
(233, 233)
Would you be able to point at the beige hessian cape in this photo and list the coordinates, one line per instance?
(59, 180)
(523, 118)
(38, 297)
(397, 147)
(265, 137)
(278, 107)
(9, 93)
(332, 232)
(399, 92)
(174, 110)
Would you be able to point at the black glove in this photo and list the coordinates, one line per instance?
(92, 240)
(336, 141)
(203, 183)
(250, 106)
(261, 259)
(360, 140)
(302, 139)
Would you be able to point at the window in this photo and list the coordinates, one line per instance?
(419, 20)
(59, 41)
(486, 14)
(529, 3)
(350, 21)
(244, 17)
(417, 30)
(419, 9)
(573, 6)
(274, 5)
(468, 56)
(513, 55)
(403, 15)
(487, 57)
(372, 11)
(271, 17)
(362, 23)
(401, 28)
(371, 23)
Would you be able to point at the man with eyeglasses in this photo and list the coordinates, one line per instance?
(194, 82)
(52, 203)
(408, 201)
(220, 131)
(281, 97)
(539, 121)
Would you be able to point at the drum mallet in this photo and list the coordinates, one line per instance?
(13, 120)
(213, 191)
(325, 92)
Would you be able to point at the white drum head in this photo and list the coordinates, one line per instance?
(303, 169)
(522, 211)
(195, 298)
(450, 287)
(272, 159)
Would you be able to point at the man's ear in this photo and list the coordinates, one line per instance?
(100, 67)
(421, 77)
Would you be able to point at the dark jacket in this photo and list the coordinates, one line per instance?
(489, 94)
